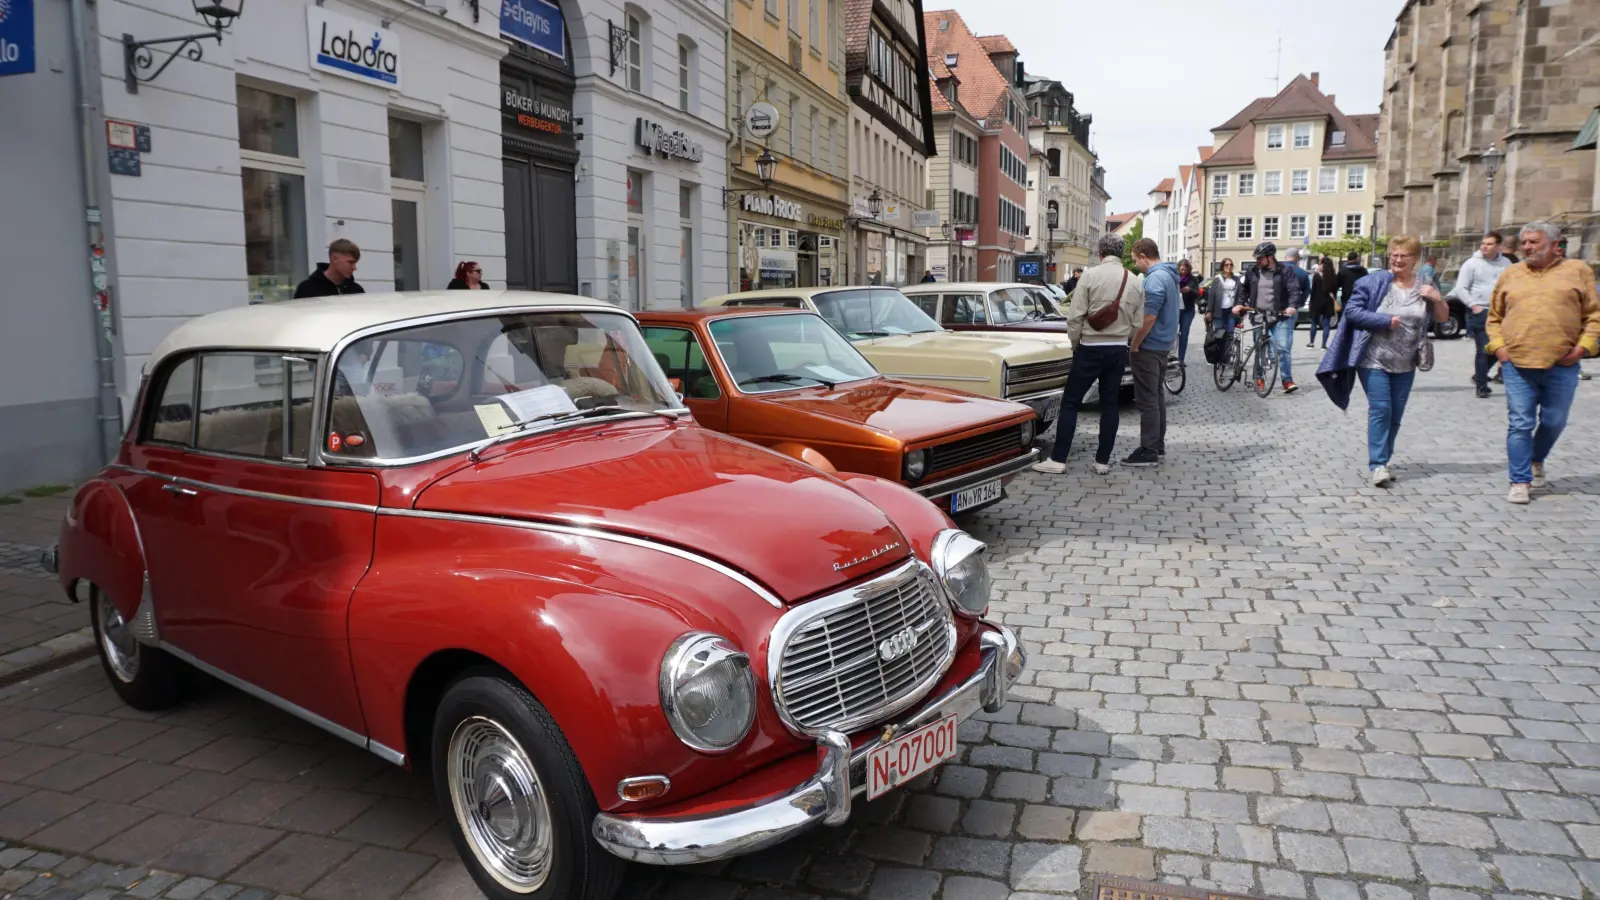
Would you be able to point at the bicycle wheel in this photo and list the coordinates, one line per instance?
(1176, 375)
(1266, 370)
(1226, 372)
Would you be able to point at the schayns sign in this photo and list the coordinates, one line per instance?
(352, 48)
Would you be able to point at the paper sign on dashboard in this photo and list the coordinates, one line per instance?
(539, 401)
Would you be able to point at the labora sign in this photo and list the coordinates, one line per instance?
(352, 48)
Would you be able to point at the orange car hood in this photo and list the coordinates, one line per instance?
(780, 521)
(905, 410)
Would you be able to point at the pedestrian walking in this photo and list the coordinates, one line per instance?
(1380, 342)
(1274, 290)
(927, 276)
(1221, 293)
(1071, 284)
(1429, 273)
(1104, 312)
(1474, 285)
(469, 277)
(1544, 318)
(1351, 272)
(1189, 290)
(336, 276)
(1151, 348)
(1324, 286)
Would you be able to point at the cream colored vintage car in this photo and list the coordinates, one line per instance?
(902, 342)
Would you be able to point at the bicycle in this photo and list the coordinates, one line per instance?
(1259, 354)
(1176, 376)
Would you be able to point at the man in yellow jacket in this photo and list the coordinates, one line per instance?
(1544, 316)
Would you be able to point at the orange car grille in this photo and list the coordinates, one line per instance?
(956, 454)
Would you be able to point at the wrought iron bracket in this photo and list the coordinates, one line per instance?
(619, 44)
(137, 57)
(475, 10)
(730, 193)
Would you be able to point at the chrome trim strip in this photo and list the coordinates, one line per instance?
(800, 616)
(593, 534)
(936, 377)
(299, 712)
(245, 492)
(704, 837)
(1040, 395)
(945, 488)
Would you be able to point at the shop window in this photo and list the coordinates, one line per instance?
(272, 176)
(686, 266)
(408, 200)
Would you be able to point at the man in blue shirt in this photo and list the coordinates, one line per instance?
(1152, 345)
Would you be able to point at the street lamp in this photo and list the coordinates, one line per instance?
(136, 55)
(766, 163)
(1052, 217)
(874, 203)
(1492, 158)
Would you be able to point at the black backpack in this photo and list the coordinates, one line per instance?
(1216, 345)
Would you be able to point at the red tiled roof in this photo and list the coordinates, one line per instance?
(1205, 153)
(857, 22)
(1120, 218)
(1244, 116)
(1239, 150)
(997, 43)
(1164, 187)
(983, 88)
(1035, 122)
(1183, 174)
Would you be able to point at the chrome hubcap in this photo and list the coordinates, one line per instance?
(117, 643)
(500, 804)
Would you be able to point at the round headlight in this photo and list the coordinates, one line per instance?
(916, 465)
(1028, 429)
(958, 561)
(708, 692)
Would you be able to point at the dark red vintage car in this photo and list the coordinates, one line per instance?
(475, 533)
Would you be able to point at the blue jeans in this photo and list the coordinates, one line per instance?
(1185, 319)
(1326, 324)
(1478, 327)
(1283, 342)
(1387, 394)
(1538, 401)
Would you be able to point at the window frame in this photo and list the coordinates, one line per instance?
(1303, 221)
(1275, 223)
(686, 79)
(1330, 175)
(1309, 133)
(1252, 184)
(1219, 228)
(1333, 225)
(278, 164)
(1361, 224)
(1299, 181)
(1219, 184)
(1244, 228)
(633, 58)
(312, 359)
(1278, 131)
(1269, 178)
(1351, 173)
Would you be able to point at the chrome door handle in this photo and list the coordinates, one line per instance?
(179, 489)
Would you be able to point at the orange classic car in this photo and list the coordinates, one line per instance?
(787, 380)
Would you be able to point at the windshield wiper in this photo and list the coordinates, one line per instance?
(874, 333)
(523, 425)
(783, 378)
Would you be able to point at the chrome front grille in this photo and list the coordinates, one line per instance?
(955, 454)
(859, 656)
(1055, 370)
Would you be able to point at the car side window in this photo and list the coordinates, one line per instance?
(247, 399)
(170, 417)
(964, 309)
(928, 303)
(680, 355)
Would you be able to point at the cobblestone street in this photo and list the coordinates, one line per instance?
(1248, 670)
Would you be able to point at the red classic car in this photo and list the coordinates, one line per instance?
(476, 534)
(786, 379)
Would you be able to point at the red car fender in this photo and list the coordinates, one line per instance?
(582, 623)
(917, 519)
(100, 544)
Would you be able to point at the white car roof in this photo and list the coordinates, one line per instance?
(318, 324)
(937, 287)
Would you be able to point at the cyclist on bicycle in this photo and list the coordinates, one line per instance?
(1274, 291)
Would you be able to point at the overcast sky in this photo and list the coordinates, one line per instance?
(1198, 63)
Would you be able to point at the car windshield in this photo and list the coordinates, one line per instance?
(419, 391)
(1017, 305)
(872, 312)
(780, 353)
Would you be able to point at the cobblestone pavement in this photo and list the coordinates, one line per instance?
(1249, 670)
(34, 625)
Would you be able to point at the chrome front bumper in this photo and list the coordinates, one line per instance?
(1045, 404)
(825, 797)
(939, 489)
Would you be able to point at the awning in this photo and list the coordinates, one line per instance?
(1590, 135)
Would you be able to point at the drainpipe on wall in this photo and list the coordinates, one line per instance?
(101, 316)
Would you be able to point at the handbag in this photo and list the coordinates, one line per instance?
(1102, 318)
(1425, 355)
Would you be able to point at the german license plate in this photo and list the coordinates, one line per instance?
(910, 755)
(988, 492)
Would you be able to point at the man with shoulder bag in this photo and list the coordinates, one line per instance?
(1103, 316)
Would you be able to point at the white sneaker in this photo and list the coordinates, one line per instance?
(1101, 468)
(1049, 467)
(1538, 475)
(1518, 495)
(1381, 476)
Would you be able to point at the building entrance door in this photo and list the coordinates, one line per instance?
(541, 227)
